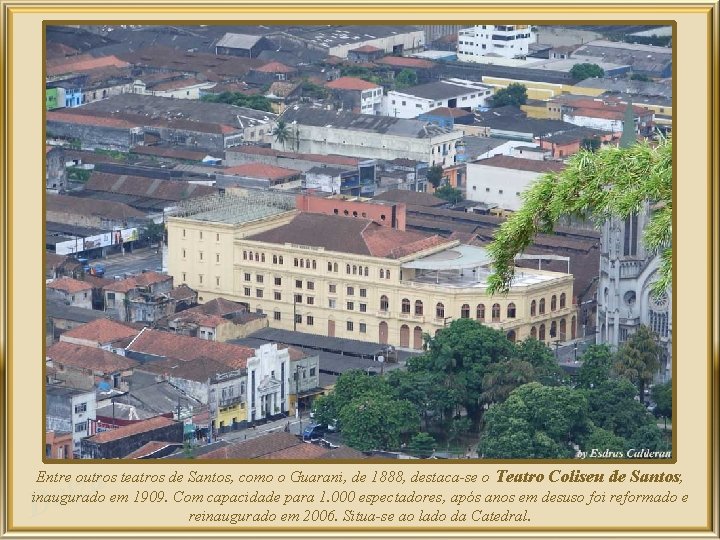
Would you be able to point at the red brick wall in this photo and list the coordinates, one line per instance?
(394, 214)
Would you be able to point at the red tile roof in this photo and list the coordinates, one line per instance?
(83, 62)
(187, 348)
(68, 204)
(143, 426)
(519, 164)
(90, 358)
(351, 83)
(141, 186)
(69, 285)
(275, 67)
(176, 84)
(141, 280)
(401, 61)
(101, 331)
(261, 170)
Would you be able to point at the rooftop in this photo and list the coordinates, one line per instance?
(260, 170)
(275, 67)
(236, 209)
(101, 331)
(328, 36)
(384, 125)
(168, 190)
(238, 41)
(140, 280)
(89, 358)
(404, 62)
(438, 90)
(278, 445)
(519, 164)
(68, 285)
(351, 83)
(199, 369)
(143, 426)
(84, 62)
(320, 158)
(410, 197)
(348, 235)
(59, 310)
(185, 348)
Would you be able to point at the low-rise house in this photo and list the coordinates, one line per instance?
(106, 215)
(356, 95)
(255, 175)
(334, 180)
(80, 366)
(563, 145)
(58, 444)
(216, 320)
(70, 410)
(102, 333)
(366, 53)
(120, 442)
(61, 318)
(451, 93)
(244, 45)
(141, 298)
(503, 179)
(70, 291)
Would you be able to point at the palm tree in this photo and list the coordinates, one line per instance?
(281, 132)
(638, 359)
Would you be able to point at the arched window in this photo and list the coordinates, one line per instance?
(533, 332)
(250, 255)
(480, 313)
(465, 311)
(280, 259)
(563, 329)
(257, 256)
(511, 335)
(335, 267)
(347, 268)
(384, 303)
(405, 305)
(382, 273)
(533, 308)
(354, 269)
(418, 307)
(511, 310)
(262, 257)
(314, 264)
(307, 263)
(387, 274)
(302, 263)
(496, 312)
(553, 329)
(440, 310)
(366, 271)
(562, 300)
(553, 303)
(329, 266)
(541, 337)
(542, 306)
(274, 259)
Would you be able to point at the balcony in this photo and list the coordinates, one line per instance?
(230, 401)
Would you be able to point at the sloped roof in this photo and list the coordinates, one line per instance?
(261, 170)
(90, 358)
(351, 83)
(140, 186)
(519, 164)
(143, 426)
(238, 41)
(83, 62)
(69, 285)
(347, 235)
(200, 369)
(402, 61)
(187, 348)
(275, 67)
(101, 331)
(141, 280)
(78, 205)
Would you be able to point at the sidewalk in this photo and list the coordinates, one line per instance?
(264, 429)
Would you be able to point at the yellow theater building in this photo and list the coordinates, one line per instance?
(350, 270)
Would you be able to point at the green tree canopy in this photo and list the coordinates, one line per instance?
(434, 175)
(612, 406)
(449, 194)
(405, 78)
(535, 421)
(261, 103)
(611, 182)
(153, 232)
(580, 72)
(421, 445)
(662, 396)
(638, 359)
(514, 94)
(596, 366)
(281, 132)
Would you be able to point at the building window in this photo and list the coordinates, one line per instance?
(311, 300)
(363, 292)
(80, 408)
(280, 259)
(511, 311)
(382, 273)
(347, 268)
(418, 307)
(80, 427)
(200, 255)
(259, 293)
(335, 267)
(349, 326)
(183, 233)
(631, 235)
(330, 266)
(298, 298)
(350, 291)
(541, 335)
(184, 254)
(248, 277)
(332, 303)
(200, 235)
(200, 278)
(440, 310)
(384, 303)
(542, 306)
(366, 272)
(363, 308)
(465, 311)
(496, 312)
(277, 295)
(247, 291)
(350, 306)
(362, 328)
(562, 300)
(298, 318)
(259, 278)
(244, 255)
(184, 276)
(311, 285)
(217, 257)
(298, 284)
(332, 288)
(405, 306)
(217, 280)
(553, 303)
(310, 320)
(296, 262)
(274, 259)
(387, 274)
(278, 281)
(533, 308)
(276, 315)
(553, 329)
(480, 312)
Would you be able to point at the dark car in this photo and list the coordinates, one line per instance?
(313, 431)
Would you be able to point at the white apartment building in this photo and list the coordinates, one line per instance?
(451, 93)
(508, 41)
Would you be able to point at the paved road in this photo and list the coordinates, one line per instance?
(133, 263)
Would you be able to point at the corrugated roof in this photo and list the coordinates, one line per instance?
(143, 426)
(69, 285)
(519, 164)
(351, 83)
(140, 280)
(101, 331)
(238, 41)
(83, 62)
(89, 358)
(260, 170)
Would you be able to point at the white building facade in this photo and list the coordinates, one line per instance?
(451, 93)
(508, 41)
(268, 373)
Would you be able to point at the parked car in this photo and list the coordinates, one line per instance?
(313, 431)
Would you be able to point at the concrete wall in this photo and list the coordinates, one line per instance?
(496, 185)
(55, 172)
(409, 41)
(82, 299)
(92, 137)
(405, 105)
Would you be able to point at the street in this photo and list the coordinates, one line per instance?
(132, 263)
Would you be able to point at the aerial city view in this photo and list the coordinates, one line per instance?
(358, 242)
